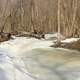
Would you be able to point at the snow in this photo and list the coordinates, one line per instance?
(14, 46)
(70, 40)
(53, 36)
(10, 71)
(12, 66)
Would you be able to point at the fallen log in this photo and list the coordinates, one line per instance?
(30, 34)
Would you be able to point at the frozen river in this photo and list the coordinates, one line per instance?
(33, 59)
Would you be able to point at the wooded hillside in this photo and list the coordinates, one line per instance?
(43, 15)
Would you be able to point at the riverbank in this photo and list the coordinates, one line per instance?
(73, 44)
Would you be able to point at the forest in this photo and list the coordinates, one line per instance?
(62, 16)
(39, 39)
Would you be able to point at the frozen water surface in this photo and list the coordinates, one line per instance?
(32, 59)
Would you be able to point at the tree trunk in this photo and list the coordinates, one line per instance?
(59, 20)
(32, 16)
(74, 17)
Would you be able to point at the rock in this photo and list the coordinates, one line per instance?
(29, 34)
(5, 37)
(73, 45)
(54, 36)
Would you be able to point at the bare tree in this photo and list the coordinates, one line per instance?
(62, 16)
(59, 1)
(74, 16)
(22, 13)
(4, 18)
(32, 15)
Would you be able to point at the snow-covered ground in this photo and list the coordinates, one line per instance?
(27, 58)
(11, 65)
(54, 36)
(63, 39)
(21, 44)
(70, 40)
